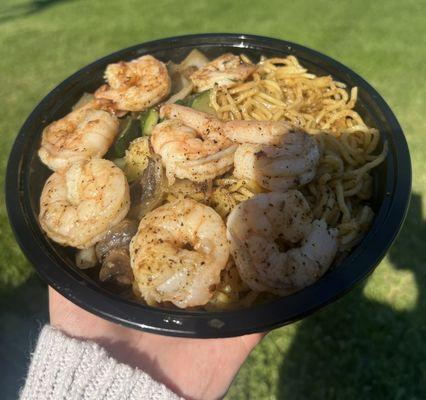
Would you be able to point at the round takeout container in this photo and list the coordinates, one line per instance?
(26, 176)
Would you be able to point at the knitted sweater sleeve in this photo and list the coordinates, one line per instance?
(66, 368)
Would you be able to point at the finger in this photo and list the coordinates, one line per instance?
(59, 305)
(69, 317)
(253, 339)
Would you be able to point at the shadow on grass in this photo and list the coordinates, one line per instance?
(361, 349)
(24, 9)
(23, 311)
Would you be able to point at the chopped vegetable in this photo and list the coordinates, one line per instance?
(180, 96)
(147, 193)
(193, 61)
(185, 102)
(113, 252)
(148, 120)
(120, 162)
(180, 73)
(181, 86)
(116, 267)
(86, 258)
(129, 133)
(118, 236)
(201, 102)
(177, 79)
(137, 158)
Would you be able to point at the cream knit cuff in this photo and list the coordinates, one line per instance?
(66, 368)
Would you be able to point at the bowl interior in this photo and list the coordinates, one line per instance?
(26, 177)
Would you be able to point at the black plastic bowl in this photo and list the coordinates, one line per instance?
(26, 176)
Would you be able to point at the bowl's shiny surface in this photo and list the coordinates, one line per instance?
(26, 176)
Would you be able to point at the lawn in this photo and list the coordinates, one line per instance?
(369, 345)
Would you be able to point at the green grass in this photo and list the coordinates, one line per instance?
(372, 343)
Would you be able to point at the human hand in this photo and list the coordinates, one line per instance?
(193, 368)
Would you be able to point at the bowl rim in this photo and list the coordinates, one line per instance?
(201, 324)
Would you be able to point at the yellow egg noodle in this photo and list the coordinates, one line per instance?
(281, 89)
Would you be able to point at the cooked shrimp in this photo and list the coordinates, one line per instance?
(135, 85)
(191, 144)
(99, 104)
(226, 70)
(178, 253)
(206, 124)
(263, 233)
(82, 134)
(279, 168)
(80, 204)
(258, 132)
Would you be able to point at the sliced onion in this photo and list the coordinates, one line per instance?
(184, 92)
(118, 236)
(181, 86)
(86, 258)
(194, 59)
(178, 80)
(116, 267)
(147, 193)
(179, 74)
